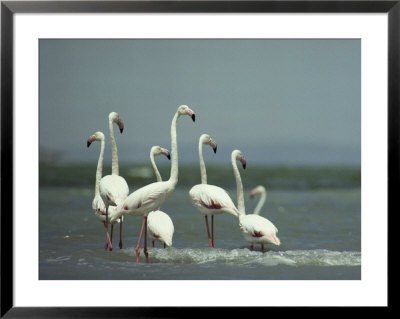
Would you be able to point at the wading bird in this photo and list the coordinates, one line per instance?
(255, 228)
(159, 225)
(151, 197)
(113, 188)
(97, 204)
(210, 199)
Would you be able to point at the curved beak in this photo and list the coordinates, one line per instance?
(243, 161)
(213, 145)
(90, 140)
(253, 193)
(166, 153)
(120, 125)
(191, 114)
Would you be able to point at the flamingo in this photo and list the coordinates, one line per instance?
(260, 189)
(150, 197)
(113, 188)
(97, 203)
(159, 224)
(255, 228)
(210, 199)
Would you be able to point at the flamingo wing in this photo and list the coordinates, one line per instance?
(211, 197)
(146, 199)
(160, 226)
(99, 209)
(113, 189)
(259, 227)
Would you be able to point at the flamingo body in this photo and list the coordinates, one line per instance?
(100, 209)
(212, 200)
(113, 190)
(160, 227)
(145, 199)
(258, 230)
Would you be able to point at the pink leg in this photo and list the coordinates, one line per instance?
(262, 247)
(164, 245)
(106, 244)
(212, 229)
(152, 243)
(106, 227)
(251, 247)
(110, 245)
(145, 240)
(107, 237)
(120, 233)
(112, 231)
(139, 240)
(208, 232)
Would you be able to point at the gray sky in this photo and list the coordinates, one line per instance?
(278, 101)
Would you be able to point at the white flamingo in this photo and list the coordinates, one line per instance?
(151, 197)
(255, 228)
(159, 225)
(210, 199)
(113, 188)
(260, 189)
(97, 204)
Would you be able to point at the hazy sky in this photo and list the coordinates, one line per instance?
(278, 101)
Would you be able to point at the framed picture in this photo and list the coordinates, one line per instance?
(300, 97)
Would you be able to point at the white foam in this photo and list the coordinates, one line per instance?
(316, 257)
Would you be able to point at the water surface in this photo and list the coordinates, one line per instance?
(317, 212)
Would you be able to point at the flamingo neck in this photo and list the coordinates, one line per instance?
(99, 171)
(260, 203)
(155, 169)
(114, 151)
(203, 172)
(239, 187)
(174, 151)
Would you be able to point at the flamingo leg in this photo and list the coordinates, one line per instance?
(208, 232)
(108, 241)
(120, 233)
(164, 245)
(262, 247)
(145, 240)
(107, 236)
(112, 231)
(152, 243)
(212, 229)
(106, 244)
(251, 247)
(139, 240)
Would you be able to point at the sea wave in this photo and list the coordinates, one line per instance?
(317, 257)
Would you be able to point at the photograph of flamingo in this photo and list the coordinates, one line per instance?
(260, 173)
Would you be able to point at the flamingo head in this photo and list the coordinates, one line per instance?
(185, 110)
(257, 190)
(237, 155)
(114, 117)
(98, 136)
(158, 150)
(206, 139)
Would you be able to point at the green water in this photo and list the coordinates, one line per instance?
(274, 177)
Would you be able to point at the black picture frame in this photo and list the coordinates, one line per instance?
(9, 8)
